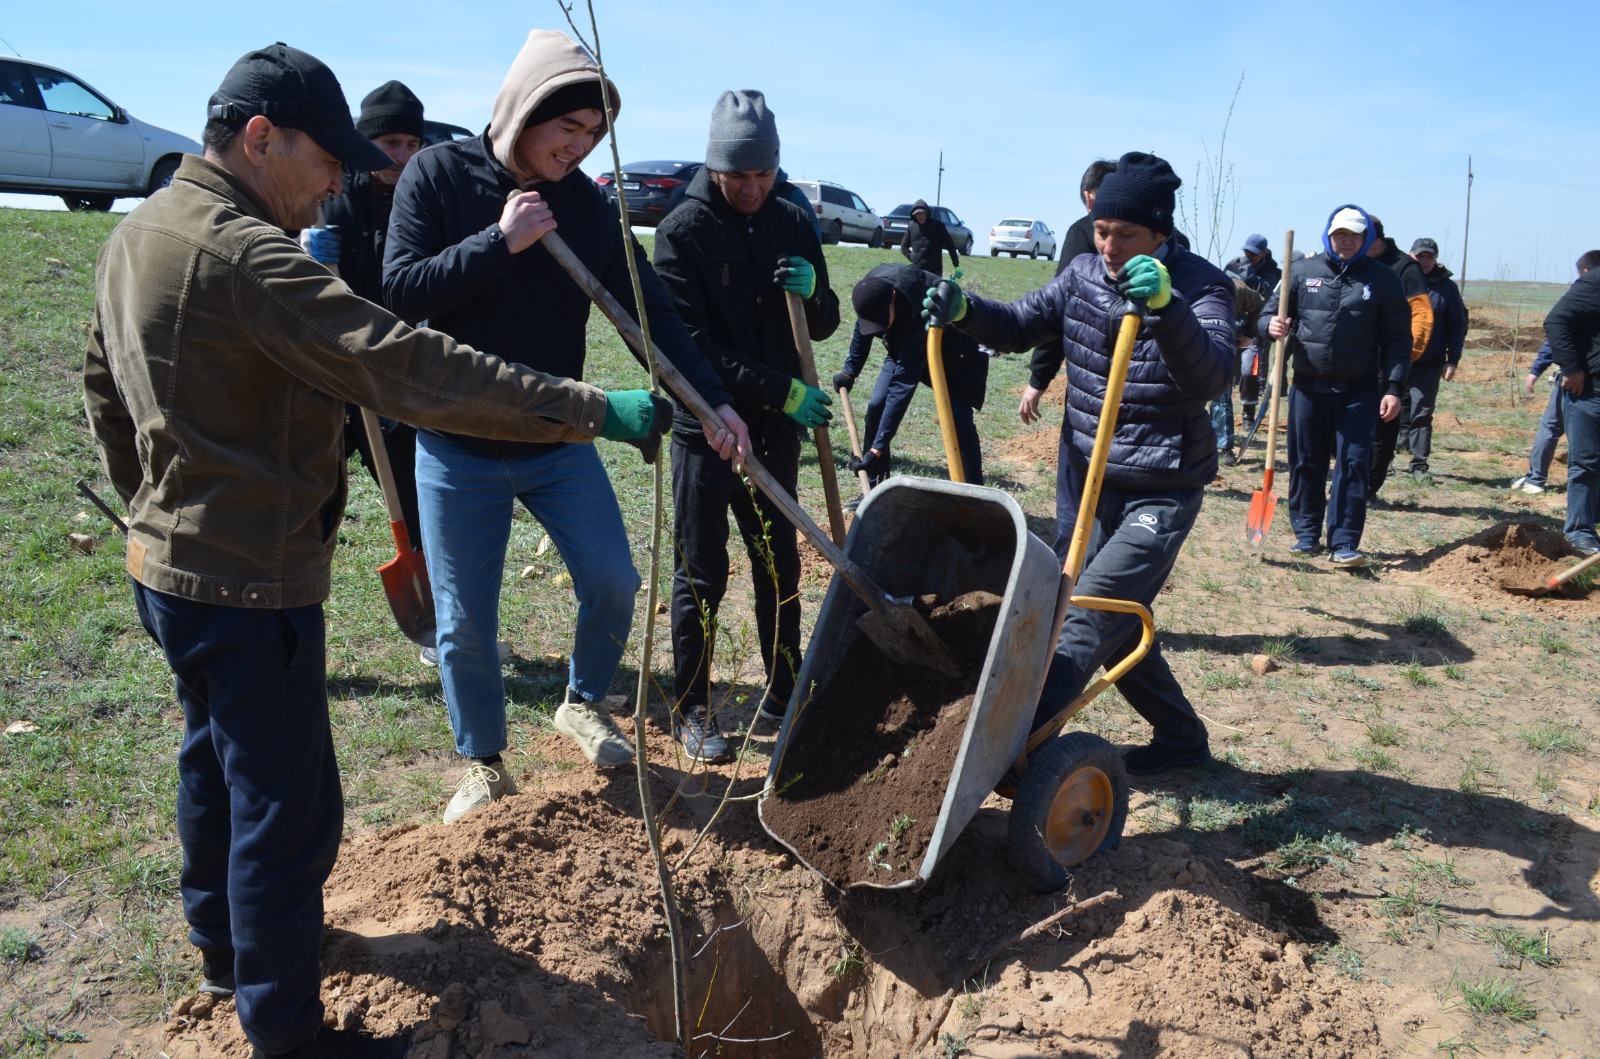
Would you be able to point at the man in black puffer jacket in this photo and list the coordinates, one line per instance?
(1415, 284)
(1350, 346)
(728, 256)
(926, 239)
(1164, 451)
(1439, 359)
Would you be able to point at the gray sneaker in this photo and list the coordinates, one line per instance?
(481, 785)
(430, 655)
(591, 727)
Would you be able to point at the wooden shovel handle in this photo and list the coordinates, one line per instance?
(808, 373)
(1280, 356)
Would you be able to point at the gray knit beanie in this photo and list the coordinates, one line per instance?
(744, 134)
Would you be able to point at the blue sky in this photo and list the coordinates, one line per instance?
(1379, 104)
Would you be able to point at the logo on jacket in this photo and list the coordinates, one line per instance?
(1313, 284)
(1149, 522)
(1366, 293)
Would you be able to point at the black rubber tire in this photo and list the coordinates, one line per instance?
(835, 234)
(967, 250)
(1033, 252)
(1051, 256)
(876, 242)
(1075, 756)
(88, 203)
(994, 253)
(161, 175)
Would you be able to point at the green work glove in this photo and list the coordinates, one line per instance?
(807, 405)
(944, 305)
(1145, 279)
(630, 415)
(796, 274)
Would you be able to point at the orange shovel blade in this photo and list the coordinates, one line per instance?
(1262, 505)
(405, 582)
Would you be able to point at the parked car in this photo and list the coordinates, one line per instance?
(844, 216)
(654, 189)
(1022, 235)
(442, 132)
(898, 220)
(58, 136)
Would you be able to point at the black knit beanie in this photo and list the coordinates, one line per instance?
(390, 107)
(1143, 190)
(584, 95)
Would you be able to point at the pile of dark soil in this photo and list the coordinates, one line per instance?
(868, 761)
(1486, 567)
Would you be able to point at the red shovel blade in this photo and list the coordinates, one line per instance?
(1262, 505)
(405, 582)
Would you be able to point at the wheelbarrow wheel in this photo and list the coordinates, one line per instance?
(1071, 804)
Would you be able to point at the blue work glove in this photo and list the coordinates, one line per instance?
(322, 244)
(1145, 279)
(807, 405)
(944, 305)
(796, 274)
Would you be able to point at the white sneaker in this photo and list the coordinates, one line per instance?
(481, 785)
(591, 727)
(430, 655)
(1522, 485)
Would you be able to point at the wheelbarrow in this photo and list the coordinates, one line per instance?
(921, 536)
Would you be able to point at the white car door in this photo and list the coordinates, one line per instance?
(92, 144)
(24, 134)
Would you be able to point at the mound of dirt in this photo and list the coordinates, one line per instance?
(860, 794)
(1486, 567)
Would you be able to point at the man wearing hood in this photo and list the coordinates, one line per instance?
(1349, 343)
(220, 359)
(888, 304)
(1415, 284)
(729, 256)
(926, 239)
(1163, 452)
(463, 254)
(1441, 355)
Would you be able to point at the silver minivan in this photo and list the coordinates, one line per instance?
(844, 217)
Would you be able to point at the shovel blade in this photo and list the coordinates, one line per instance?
(905, 637)
(1262, 505)
(405, 582)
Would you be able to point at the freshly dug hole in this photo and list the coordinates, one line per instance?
(869, 757)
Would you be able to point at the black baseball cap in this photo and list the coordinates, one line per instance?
(297, 91)
(871, 298)
(1425, 244)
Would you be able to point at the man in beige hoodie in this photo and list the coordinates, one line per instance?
(463, 253)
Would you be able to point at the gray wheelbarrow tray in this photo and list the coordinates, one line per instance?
(916, 536)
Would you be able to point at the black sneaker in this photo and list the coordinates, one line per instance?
(1348, 558)
(770, 715)
(1227, 458)
(701, 738)
(216, 974)
(1153, 759)
(1304, 546)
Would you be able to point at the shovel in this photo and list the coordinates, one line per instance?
(941, 401)
(1262, 502)
(1553, 583)
(405, 577)
(808, 373)
(855, 440)
(893, 625)
(1094, 478)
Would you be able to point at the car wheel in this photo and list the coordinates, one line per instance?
(994, 253)
(876, 242)
(88, 203)
(1051, 256)
(1033, 252)
(161, 175)
(968, 248)
(835, 233)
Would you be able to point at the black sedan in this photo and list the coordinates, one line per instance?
(654, 189)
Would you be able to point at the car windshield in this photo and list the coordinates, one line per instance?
(1013, 223)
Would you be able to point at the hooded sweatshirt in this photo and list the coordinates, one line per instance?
(447, 262)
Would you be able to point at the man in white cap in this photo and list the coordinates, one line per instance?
(1350, 346)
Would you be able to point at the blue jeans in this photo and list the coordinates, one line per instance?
(1551, 426)
(1582, 415)
(260, 811)
(1222, 417)
(1132, 548)
(1340, 426)
(891, 400)
(466, 498)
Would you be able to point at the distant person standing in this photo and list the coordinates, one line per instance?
(1256, 267)
(1551, 424)
(1439, 358)
(926, 239)
(1350, 344)
(1573, 328)
(1415, 284)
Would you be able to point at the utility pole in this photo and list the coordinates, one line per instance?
(939, 188)
(1467, 232)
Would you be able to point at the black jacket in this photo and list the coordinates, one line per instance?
(362, 216)
(718, 268)
(1449, 319)
(1352, 324)
(1573, 326)
(1415, 283)
(1262, 278)
(446, 262)
(966, 368)
(923, 244)
(1181, 362)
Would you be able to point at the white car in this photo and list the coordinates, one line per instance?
(58, 136)
(844, 217)
(1022, 235)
